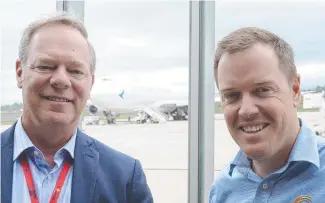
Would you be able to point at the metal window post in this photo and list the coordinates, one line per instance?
(201, 104)
(75, 8)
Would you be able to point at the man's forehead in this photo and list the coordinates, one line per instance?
(248, 67)
(237, 77)
(58, 35)
(257, 50)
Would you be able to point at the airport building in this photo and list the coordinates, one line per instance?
(313, 100)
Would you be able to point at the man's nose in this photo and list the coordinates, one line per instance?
(248, 108)
(60, 78)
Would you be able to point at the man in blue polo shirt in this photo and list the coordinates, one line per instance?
(280, 159)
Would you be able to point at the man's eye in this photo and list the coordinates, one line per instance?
(231, 96)
(262, 90)
(78, 72)
(44, 68)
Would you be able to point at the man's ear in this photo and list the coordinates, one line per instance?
(19, 73)
(92, 80)
(296, 94)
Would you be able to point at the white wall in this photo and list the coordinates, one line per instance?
(312, 100)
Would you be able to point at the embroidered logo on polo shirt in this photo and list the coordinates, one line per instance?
(303, 199)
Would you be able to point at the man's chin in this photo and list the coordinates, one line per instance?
(257, 157)
(54, 118)
(256, 153)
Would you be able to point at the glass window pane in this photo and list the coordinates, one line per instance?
(301, 24)
(142, 70)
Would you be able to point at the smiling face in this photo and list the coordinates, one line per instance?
(56, 79)
(259, 103)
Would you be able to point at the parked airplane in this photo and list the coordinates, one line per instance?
(113, 98)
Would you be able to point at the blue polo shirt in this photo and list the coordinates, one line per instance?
(300, 180)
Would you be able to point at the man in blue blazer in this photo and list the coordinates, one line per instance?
(44, 157)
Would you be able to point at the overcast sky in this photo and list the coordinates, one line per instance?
(144, 45)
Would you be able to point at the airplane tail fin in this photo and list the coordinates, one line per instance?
(122, 94)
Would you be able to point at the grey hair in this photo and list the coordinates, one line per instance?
(244, 38)
(58, 19)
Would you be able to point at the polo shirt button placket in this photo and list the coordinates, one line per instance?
(265, 186)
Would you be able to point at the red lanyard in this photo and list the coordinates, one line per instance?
(30, 183)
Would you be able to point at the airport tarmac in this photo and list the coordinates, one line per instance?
(163, 151)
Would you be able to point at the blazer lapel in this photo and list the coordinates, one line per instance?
(85, 168)
(7, 143)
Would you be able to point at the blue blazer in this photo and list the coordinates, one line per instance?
(100, 173)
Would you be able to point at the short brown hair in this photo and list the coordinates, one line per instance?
(244, 38)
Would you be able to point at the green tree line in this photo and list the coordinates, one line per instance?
(12, 107)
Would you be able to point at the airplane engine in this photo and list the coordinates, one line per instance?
(92, 109)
